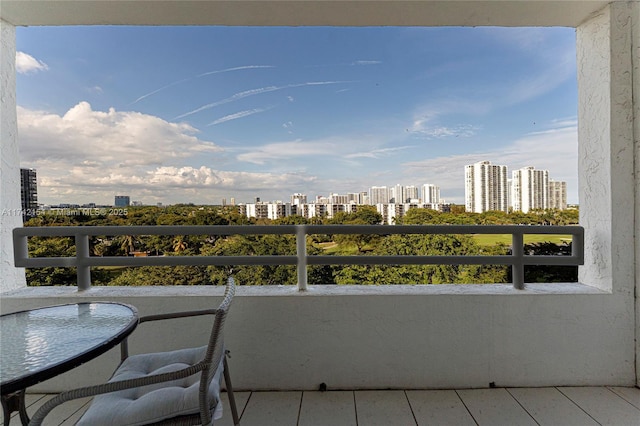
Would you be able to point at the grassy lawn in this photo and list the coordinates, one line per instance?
(332, 248)
(490, 239)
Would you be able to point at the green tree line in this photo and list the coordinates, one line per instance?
(361, 245)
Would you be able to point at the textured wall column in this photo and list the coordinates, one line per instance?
(635, 45)
(606, 150)
(608, 157)
(10, 217)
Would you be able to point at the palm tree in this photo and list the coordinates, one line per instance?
(128, 243)
(179, 244)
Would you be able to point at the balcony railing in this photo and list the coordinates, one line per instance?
(84, 262)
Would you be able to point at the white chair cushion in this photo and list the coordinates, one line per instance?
(148, 404)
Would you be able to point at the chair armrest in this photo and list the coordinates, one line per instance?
(63, 397)
(173, 315)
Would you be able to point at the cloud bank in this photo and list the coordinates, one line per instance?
(86, 156)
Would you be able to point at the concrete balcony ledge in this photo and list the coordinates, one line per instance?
(282, 290)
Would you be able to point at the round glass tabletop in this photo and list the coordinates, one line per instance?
(38, 344)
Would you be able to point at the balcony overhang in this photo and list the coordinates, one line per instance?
(569, 13)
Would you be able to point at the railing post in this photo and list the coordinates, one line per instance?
(82, 255)
(301, 252)
(577, 246)
(517, 267)
(20, 248)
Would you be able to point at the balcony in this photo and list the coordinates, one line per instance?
(412, 338)
(365, 337)
(287, 340)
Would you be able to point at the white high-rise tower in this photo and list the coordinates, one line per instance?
(485, 187)
(430, 194)
(530, 189)
(557, 195)
(378, 195)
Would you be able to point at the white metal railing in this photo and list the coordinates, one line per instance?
(83, 261)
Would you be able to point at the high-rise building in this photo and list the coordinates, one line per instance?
(122, 201)
(430, 194)
(378, 195)
(354, 198)
(298, 199)
(338, 199)
(398, 194)
(557, 195)
(29, 191)
(530, 189)
(485, 187)
(411, 193)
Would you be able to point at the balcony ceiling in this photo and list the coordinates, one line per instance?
(300, 13)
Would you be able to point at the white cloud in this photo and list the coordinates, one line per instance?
(339, 148)
(366, 63)
(238, 115)
(26, 63)
(245, 67)
(288, 126)
(378, 153)
(96, 90)
(89, 156)
(285, 150)
(184, 80)
(114, 138)
(254, 92)
(439, 132)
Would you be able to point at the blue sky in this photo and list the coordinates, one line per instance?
(197, 114)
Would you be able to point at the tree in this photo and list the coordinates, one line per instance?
(291, 220)
(51, 247)
(163, 275)
(419, 217)
(179, 244)
(127, 243)
(366, 215)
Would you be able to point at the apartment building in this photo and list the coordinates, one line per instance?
(379, 195)
(557, 195)
(529, 189)
(430, 193)
(122, 201)
(28, 191)
(297, 199)
(486, 187)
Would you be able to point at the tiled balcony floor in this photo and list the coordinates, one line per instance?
(562, 406)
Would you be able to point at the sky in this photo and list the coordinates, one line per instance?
(197, 114)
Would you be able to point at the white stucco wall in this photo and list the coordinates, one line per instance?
(607, 54)
(10, 276)
(376, 337)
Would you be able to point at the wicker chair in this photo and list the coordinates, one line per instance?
(168, 388)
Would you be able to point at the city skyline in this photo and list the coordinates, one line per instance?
(487, 187)
(185, 114)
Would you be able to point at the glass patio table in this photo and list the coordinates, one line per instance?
(38, 344)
